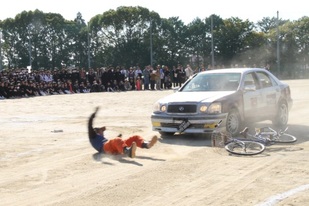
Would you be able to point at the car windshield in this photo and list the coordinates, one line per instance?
(213, 82)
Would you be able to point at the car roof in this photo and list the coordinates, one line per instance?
(234, 70)
(241, 71)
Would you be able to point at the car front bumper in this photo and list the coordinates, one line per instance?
(196, 124)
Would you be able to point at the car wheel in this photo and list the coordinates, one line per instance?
(233, 122)
(282, 116)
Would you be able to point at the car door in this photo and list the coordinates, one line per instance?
(270, 92)
(252, 97)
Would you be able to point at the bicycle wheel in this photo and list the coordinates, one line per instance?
(245, 147)
(217, 139)
(284, 138)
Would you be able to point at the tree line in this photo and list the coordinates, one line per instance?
(135, 36)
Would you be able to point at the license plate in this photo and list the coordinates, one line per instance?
(184, 125)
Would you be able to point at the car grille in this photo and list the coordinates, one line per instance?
(187, 108)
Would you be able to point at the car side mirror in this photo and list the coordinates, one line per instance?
(251, 87)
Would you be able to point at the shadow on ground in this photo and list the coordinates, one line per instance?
(199, 140)
(107, 159)
(196, 140)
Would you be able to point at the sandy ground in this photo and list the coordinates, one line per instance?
(40, 167)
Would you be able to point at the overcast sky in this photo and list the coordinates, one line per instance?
(185, 10)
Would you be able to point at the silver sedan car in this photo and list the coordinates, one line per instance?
(231, 96)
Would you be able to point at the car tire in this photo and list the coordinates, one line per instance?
(282, 116)
(233, 122)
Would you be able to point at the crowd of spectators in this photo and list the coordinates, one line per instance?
(20, 82)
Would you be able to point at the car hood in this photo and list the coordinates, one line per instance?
(195, 96)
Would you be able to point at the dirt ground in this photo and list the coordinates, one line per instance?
(41, 167)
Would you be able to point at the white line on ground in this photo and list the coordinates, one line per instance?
(277, 198)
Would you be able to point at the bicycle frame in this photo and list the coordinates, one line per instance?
(265, 135)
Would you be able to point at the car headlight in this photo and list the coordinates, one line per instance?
(159, 107)
(163, 108)
(203, 108)
(214, 108)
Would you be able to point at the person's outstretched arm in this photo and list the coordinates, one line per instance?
(91, 132)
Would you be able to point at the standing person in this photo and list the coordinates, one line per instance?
(153, 77)
(104, 78)
(176, 75)
(131, 77)
(167, 78)
(172, 76)
(181, 75)
(189, 71)
(162, 75)
(138, 72)
(158, 78)
(131, 74)
(124, 72)
(117, 145)
(146, 75)
(119, 76)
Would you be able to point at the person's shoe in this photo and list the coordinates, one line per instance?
(152, 142)
(131, 150)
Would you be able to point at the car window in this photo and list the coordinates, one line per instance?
(213, 82)
(274, 82)
(249, 80)
(265, 80)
